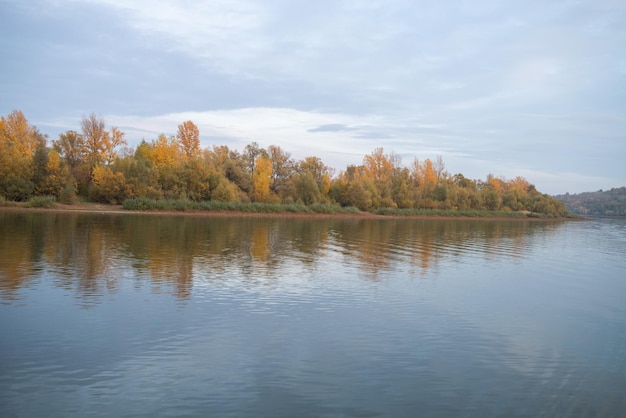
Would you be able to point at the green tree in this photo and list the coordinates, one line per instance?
(401, 187)
(142, 178)
(319, 172)
(226, 191)
(195, 174)
(306, 188)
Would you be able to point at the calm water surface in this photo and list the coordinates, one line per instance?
(136, 315)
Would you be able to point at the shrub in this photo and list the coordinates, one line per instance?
(67, 195)
(41, 202)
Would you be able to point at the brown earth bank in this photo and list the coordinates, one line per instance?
(99, 208)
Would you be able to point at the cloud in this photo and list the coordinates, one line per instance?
(339, 139)
(227, 36)
(296, 131)
(488, 86)
(331, 127)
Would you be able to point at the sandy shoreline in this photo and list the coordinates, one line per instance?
(97, 208)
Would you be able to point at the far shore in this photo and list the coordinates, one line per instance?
(110, 209)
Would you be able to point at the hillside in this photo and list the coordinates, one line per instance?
(601, 203)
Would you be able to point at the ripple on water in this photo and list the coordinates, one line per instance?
(342, 319)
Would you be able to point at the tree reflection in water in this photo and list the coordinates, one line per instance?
(91, 255)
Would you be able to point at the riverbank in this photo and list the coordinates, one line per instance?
(99, 208)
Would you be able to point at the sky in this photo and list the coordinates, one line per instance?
(528, 88)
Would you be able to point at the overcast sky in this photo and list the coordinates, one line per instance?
(530, 88)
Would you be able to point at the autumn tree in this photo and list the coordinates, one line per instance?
(353, 188)
(164, 151)
(39, 162)
(262, 179)
(225, 191)
(116, 140)
(251, 153)
(57, 176)
(305, 188)
(141, 176)
(165, 157)
(282, 167)
(70, 146)
(491, 193)
(378, 168)
(108, 186)
(312, 170)
(232, 166)
(18, 142)
(96, 139)
(19, 136)
(188, 137)
(427, 175)
(218, 156)
(402, 191)
(195, 175)
(440, 168)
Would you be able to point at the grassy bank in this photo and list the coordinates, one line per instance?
(464, 213)
(33, 202)
(213, 206)
(143, 204)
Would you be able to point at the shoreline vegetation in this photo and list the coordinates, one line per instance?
(173, 173)
(213, 209)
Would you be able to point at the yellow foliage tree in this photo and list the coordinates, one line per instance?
(57, 175)
(378, 167)
(496, 184)
(519, 183)
(325, 185)
(188, 136)
(107, 185)
(18, 142)
(262, 179)
(428, 176)
(20, 138)
(164, 151)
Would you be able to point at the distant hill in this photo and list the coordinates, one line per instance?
(601, 203)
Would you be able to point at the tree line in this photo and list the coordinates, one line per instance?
(97, 164)
(601, 203)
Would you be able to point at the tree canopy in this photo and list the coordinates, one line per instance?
(95, 164)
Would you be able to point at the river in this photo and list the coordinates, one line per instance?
(158, 315)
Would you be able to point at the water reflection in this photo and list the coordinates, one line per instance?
(193, 316)
(91, 254)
